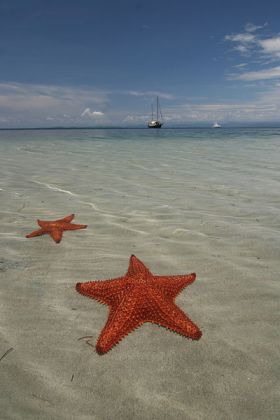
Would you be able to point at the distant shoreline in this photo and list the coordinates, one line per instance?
(229, 127)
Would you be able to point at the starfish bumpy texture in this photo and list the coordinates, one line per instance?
(140, 297)
(56, 228)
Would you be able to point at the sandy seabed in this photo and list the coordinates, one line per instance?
(182, 202)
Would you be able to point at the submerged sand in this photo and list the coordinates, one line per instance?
(182, 203)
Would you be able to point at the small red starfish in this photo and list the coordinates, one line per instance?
(55, 228)
(139, 297)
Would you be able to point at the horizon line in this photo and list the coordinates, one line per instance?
(248, 125)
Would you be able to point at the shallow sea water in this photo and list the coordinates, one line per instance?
(181, 200)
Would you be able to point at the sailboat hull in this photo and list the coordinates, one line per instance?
(154, 124)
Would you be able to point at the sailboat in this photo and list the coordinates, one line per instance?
(155, 123)
(216, 125)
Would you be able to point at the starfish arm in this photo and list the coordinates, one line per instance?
(67, 219)
(168, 315)
(74, 226)
(38, 232)
(43, 223)
(56, 234)
(108, 292)
(173, 285)
(122, 320)
(137, 267)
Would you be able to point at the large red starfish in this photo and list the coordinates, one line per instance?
(55, 228)
(139, 297)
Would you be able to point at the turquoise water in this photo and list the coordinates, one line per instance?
(186, 187)
(177, 168)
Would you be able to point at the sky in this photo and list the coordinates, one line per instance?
(94, 63)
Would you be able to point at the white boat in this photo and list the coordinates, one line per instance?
(156, 123)
(216, 125)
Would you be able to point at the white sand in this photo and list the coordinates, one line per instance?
(181, 206)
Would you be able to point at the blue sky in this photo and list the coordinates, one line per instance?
(92, 63)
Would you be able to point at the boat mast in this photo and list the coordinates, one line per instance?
(157, 108)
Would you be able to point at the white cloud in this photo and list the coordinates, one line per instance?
(264, 51)
(149, 94)
(243, 42)
(22, 96)
(266, 107)
(241, 65)
(242, 38)
(136, 119)
(132, 119)
(241, 48)
(250, 27)
(272, 73)
(34, 104)
(91, 114)
(271, 46)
